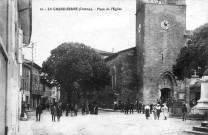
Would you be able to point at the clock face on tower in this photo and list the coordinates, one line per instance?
(165, 24)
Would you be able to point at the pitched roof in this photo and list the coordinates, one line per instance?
(116, 54)
(30, 63)
(101, 52)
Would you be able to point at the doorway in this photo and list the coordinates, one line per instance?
(165, 94)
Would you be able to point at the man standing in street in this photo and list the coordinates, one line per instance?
(53, 112)
(140, 107)
(67, 109)
(131, 108)
(184, 112)
(38, 112)
(126, 108)
(58, 109)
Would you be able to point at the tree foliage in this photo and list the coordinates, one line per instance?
(194, 56)
(76, 66)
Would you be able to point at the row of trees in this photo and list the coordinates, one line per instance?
(77, 69)
(194, 56)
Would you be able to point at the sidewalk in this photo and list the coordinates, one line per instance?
(25, 126)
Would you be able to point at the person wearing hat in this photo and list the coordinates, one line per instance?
(158, 110)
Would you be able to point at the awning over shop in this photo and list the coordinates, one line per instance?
(25, 13)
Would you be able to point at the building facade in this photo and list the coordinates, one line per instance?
(15, 29)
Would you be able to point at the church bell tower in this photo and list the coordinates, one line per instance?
(160, 29)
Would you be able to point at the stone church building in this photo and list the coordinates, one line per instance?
(144, 72)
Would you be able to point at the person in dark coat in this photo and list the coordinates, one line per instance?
(83, 108)
(126, 107)
(131, 107)
(91, 108)
(67, 109)
(75, 109)
(38, 112)
(137, 105)
(184, 112)
(151, 108)
(58, 109)
(122, 107)
(140, 107)
(72, 110)
(147, 111)
(96, 109)
(191, 104)
(53, 112)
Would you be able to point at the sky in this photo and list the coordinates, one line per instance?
(85, 21)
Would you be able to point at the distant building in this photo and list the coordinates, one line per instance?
(55, 94)
(47, 94)
(25, 83)
(40, 92)
(36, 87)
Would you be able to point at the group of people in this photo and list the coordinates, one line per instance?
(156, 110)
(73, 109)
(128, 108)
(93, 108)
(56, 110)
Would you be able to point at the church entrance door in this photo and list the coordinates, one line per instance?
(165, 94)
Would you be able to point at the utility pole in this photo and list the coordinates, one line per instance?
(185, 86)
(31, 75)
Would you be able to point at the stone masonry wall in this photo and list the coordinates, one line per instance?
(159, 47)
(140, 29)
(125, 74)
